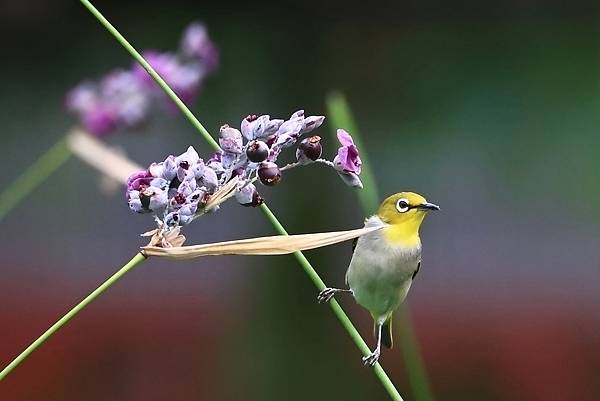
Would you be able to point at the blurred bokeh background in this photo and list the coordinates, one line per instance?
(492, 111)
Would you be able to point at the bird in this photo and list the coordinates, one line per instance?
(385, 262)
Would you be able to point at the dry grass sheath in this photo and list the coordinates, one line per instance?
(273, 245)
(102, 157)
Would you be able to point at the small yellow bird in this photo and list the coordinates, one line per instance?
(385, 263)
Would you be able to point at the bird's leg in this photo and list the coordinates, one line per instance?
(373, 357)
(328, 293)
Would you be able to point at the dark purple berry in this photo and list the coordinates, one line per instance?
(257, 151)
(310, 148)
(269, 174)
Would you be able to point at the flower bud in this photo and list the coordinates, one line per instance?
(248, 196)
(311, 123)
(350, 179)
(257, 151)
(209, 180)
(231, 139)
(309, 149)
(269, 173)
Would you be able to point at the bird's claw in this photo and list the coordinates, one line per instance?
(326, 295)
(371, 359)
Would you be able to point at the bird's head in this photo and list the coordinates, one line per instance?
(405, 212)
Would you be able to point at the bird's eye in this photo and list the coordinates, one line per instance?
(402, 205)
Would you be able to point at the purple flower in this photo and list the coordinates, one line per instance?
(292, 127)
(311, 123)
(139, 180)
(248, 196)
(145, 193)
(81, 98)
(231, 139)
(100, 120)
(166, 170)
(180, 186)
(254, 127)
(125, 98)
(184, 79)
(123, 91)
(347, 159)
(196, 44)
(209, 180)
(96, 117)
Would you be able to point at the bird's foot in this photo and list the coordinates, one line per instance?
(371, 359)
(326, 294)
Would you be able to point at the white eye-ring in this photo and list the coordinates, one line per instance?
(402, 205)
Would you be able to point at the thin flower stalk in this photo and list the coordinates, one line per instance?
(135, 261)
(110, 162)
(310, 271)
(34, 176)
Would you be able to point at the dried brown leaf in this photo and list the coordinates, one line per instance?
(274, 245)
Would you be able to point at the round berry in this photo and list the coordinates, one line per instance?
(269, 174)
(257, 151)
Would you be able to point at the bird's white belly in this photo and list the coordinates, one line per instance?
(380, 274)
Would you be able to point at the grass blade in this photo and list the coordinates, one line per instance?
(34, 176)
(340, 116)
(136, 260)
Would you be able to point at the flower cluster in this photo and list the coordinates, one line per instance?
(125, 98)
(182, 187)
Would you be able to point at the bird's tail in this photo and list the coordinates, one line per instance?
(386, 333)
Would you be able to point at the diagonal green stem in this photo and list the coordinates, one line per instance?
(33, 176)
(379, 372)
(161, 82)
(136, 260)
(341, 116)
(337, 310)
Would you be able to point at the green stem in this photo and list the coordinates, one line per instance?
(380, 373)
(341, 116)
(161, 82)
(337, 310)
(137, 259)
(417, 373)
(33, 176)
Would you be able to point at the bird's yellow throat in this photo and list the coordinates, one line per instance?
(406, 232)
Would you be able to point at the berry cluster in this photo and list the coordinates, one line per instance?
(180, 188)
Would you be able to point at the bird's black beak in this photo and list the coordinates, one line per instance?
(428, 206)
